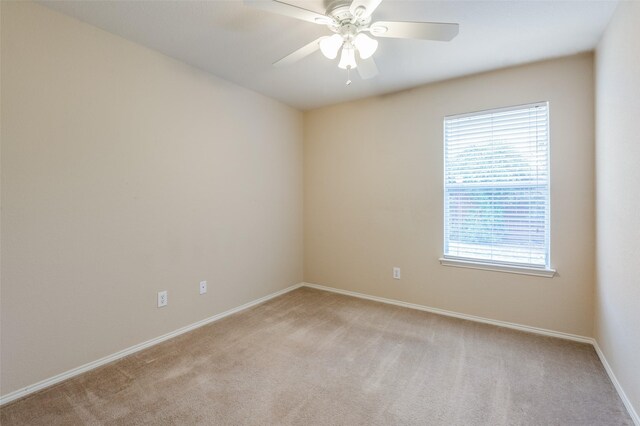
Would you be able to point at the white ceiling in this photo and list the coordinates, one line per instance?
(239, 43)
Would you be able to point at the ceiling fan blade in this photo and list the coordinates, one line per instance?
(438, 31)
(304, 51)
(368, 5)
(286, 9)
(367, 68)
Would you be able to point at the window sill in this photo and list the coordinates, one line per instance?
(523, 270)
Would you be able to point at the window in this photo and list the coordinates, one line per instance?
(496, 185)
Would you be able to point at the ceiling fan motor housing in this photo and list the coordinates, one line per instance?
(343, 17)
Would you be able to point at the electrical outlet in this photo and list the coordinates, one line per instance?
(396, 273)
(162, 298)
(203, 287)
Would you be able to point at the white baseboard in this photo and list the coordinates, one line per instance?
(623, 396)
(526, 328)
(128, 351)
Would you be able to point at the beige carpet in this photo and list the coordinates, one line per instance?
(316, 358)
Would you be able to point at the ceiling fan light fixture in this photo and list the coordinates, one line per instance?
(366, 45)
(331, 45)
(348, 57)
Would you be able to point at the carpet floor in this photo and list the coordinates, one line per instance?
(311, 357)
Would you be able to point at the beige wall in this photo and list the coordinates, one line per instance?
(125, 172)
(374, 198)
(618, 197)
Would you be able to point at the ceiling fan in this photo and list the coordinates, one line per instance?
(350, 21)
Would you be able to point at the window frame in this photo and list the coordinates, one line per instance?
(485, 264)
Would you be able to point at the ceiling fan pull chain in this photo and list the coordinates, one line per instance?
(348, 76)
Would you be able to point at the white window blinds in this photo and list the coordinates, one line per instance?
(496, 178)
